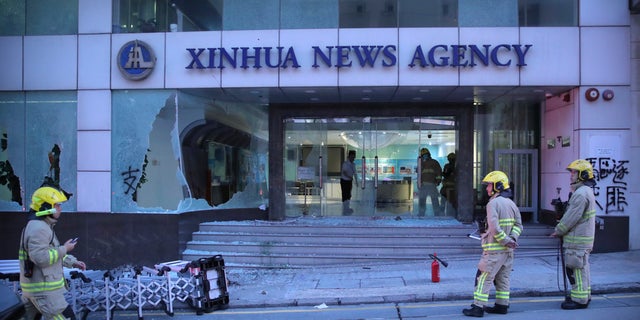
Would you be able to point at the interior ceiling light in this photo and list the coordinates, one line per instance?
(434, 121)
(378, 138)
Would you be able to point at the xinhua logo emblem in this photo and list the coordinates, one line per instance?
(136, 60)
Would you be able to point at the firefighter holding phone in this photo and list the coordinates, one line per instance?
(42, 258)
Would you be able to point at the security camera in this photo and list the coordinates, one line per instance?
(429, 135)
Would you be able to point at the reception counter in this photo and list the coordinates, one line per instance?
(395, 190)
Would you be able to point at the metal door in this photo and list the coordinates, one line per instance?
(521, 166)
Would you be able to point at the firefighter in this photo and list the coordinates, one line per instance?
(430, 177)
(577, 230)
(504, 226)
(42, 258)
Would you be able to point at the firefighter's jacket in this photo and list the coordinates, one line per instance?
(578, 224)
(504, 224)
(40, 244)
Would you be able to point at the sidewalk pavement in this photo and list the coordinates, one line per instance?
(411, 281)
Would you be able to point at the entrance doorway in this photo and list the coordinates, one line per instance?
(388, 165)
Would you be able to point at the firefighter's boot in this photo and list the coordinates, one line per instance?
(497, 308)
(572, 305)
(474, 311)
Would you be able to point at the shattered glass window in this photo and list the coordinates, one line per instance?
(37, 144)
(51, 141)
(175, 152)
(138, 118)
(12, 155)
(225, 150)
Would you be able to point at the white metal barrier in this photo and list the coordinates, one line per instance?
(200, 284)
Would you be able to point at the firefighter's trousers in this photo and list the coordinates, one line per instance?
(494, 267)
(579, 275)
(48, 304)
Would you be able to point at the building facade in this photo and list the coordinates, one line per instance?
(165, 107)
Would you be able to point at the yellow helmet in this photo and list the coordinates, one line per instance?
(424, 151)
(44, 198)
(498, 179)
(451, 157)
(584, 168)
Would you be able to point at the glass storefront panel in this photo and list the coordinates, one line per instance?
(308, 14)
(386, 165)
(368, 14)
(12, 17)
(175, 152)
(488, 13)
(224, 146)
(307, 162)
(438, 13)
(45, 150)
(134, 16)
(140, 16)
(548, 13)
(12, 155)
(251, 15)
(225, 151)
(51, 144)
(51, 17)
(143, 167)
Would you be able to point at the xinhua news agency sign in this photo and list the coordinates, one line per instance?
(502, 55)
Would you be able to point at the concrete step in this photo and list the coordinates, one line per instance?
(212, 238)
(274, 244)
(282, 229)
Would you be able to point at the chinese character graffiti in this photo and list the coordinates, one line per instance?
(130, 177)
(610, 175)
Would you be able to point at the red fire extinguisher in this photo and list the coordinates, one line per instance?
(435, 267)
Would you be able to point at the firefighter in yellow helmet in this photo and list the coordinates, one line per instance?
(430, 176)
(42, 258)
(504, 226)
(577, 229)
(448, 190)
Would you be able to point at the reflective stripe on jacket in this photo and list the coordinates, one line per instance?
(578, 224)
(43, 248)
(504, 224)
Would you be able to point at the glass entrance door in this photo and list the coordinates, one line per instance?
(391, 177)
(388, 174)
(306, 167)
(435, 184)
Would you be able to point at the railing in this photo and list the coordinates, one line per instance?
(200, 284)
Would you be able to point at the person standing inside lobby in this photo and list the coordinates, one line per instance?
(430, 176)
(347, 177)
(448, 190)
